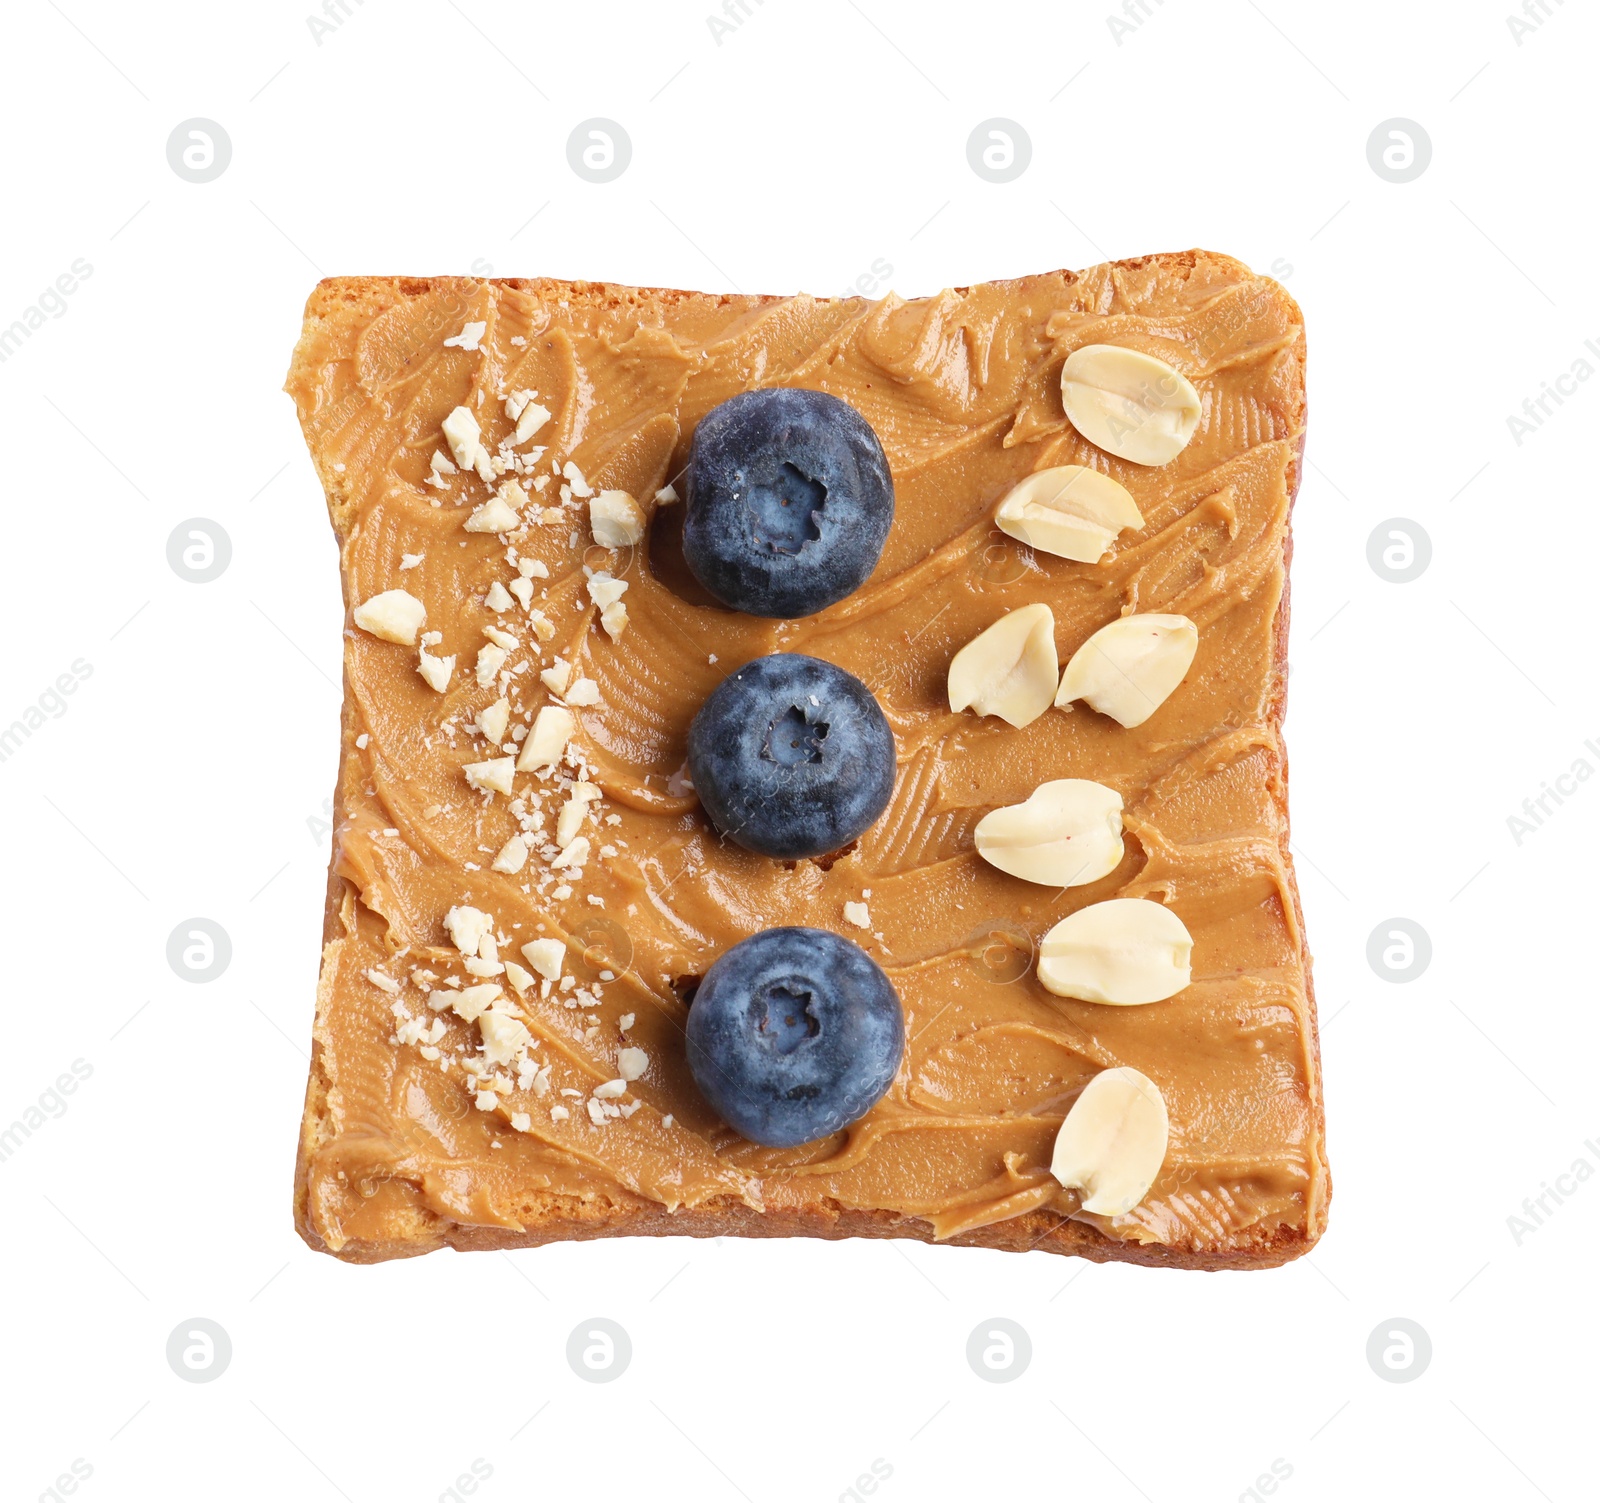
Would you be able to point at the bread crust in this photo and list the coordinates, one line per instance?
(570, 1218)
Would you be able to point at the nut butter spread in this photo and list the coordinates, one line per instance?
(963, 389)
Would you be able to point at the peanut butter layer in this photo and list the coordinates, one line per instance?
(963, 390)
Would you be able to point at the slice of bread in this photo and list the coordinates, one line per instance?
(406, 1147)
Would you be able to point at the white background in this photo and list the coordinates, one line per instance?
(187, 775)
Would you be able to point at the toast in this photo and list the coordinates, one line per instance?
(412, 1139)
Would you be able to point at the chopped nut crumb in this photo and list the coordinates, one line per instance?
(462, 433)
(436, 672)
(467, 927)
(570, 820)
(526, 413)
(470, 1003)
(513, 856)
(545, 956)
(574, 853)
(493, 719)
(604, 590)
(616, 519)
(393, 616)
(504, 1038)
(496, 775)
(469, 336)
(556, 677)
(632, 1063)
(491, 659)
(547, 743)
(493, 516)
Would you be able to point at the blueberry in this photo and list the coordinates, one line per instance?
(794, 1034)
(791, 756)
(789, 501)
